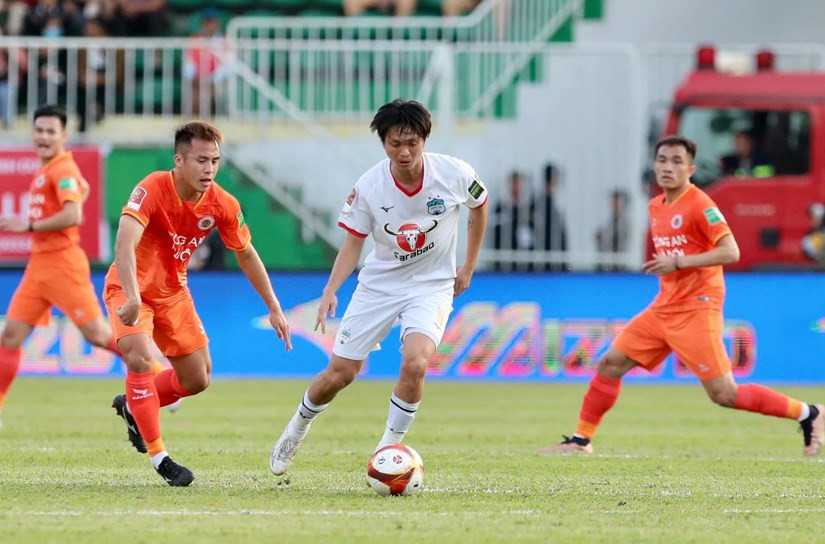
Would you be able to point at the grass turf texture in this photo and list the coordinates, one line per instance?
(669, 467)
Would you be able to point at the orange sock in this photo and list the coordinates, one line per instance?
(169, 388)
(9, 365)
(157, 368)
(600, 397)
(764, 400)
(142, 399)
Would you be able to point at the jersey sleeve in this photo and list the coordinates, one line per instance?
(471, 190)
(143, 201)
(355, 216)
(232, 226)
(68, 184)
(711, 221)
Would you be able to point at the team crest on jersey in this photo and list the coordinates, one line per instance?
(676, 221)
(436, 206)
(40, 181)
(136, 199)
(410, 237)
(206, 223)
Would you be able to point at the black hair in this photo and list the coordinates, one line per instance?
(196, 129)
(676, 140)
(406, 115)
(51, 110)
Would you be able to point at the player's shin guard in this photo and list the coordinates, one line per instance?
(399, 418)
(144, 405)
(600, 397)
(9, 365)
(764, 400)
(169, 388)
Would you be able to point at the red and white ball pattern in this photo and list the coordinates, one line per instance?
(395, 469)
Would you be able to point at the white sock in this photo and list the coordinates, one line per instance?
(806, 412)
(156, 459)
(399, 418)
(307, 411)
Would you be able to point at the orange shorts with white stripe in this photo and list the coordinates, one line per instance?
(172, 322)
(58, 278)
(694, 335)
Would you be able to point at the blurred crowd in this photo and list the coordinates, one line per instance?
(58, 18)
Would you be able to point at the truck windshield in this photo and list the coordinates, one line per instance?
(747, 143)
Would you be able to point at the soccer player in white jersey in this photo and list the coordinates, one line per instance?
(410, 203)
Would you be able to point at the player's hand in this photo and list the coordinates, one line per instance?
(13, 224)
(128, 313)
(462, 280)
(278, 321)
(660, 265)
(325, 308)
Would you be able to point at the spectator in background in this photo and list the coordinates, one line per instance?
(614, 235)
(143, 18)
(16, 12)
(209, 255)
(813, 243)
(39, 15)
(746, 160)
(554, 237)
(91, 69)
(399, 8)
(514, 221)
(202, 68)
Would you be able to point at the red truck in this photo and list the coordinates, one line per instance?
(761, 153)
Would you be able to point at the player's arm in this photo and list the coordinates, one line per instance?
(254, 269)
(84, 189)
(476, 225)
(345, 263)
(726, 251)
(69, 216)
(129, 233)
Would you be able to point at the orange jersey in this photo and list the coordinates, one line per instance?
(55, 183)
(174, 229)
(690, 225)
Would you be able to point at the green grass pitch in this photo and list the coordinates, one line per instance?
(669, 467)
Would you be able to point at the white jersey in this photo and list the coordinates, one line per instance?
(415, 233)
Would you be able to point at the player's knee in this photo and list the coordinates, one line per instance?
(195, 384)
(723, 397)
(136, 361)
(10, 340)
(611, 367)
(413, 368)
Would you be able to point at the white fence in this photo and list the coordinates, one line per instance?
(587, 113)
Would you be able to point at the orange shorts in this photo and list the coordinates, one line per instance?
(172, 321)
(60, 278)
(694, 335)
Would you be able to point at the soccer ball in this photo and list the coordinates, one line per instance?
(395, 469)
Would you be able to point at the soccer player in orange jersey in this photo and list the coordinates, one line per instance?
(692, 241)
(167, 216)
(58, 270)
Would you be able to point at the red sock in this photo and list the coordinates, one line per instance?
(9, 365)
(169, 388)
(113, 347)
(764, 400)
(600, 397)
(142, 398)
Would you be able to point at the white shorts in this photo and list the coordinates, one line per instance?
(370, 316)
